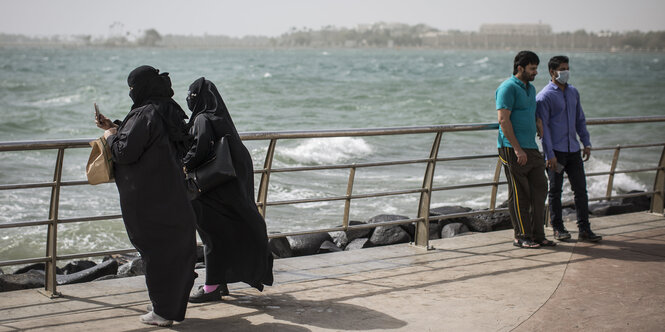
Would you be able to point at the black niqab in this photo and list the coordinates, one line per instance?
(146, 82)
(203, 96)
(148, 86)
(195, 100)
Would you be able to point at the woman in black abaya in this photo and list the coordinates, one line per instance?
(229, 224)
(147, 148)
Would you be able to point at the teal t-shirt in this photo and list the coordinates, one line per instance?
(513, 95)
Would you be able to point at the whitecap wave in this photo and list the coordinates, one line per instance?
(58, 101)
(483, 60)
(280, 192)
(450, 177)
(328, 150)
(597, 185)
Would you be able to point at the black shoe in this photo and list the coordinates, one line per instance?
(588, 235)
(526, 243)
(561, 234)
(546, 243)
(224, 289)
(200, 296)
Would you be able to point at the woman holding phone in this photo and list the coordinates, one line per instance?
(147, 149)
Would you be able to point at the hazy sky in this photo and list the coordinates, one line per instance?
(274, 17)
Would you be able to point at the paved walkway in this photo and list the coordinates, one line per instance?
(477, 282)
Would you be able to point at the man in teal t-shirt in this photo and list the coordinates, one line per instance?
(523, 163)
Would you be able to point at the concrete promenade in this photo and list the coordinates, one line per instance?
(477, 282)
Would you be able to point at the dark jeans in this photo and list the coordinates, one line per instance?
(574, 167)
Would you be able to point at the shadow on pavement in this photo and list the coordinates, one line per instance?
(328, 314)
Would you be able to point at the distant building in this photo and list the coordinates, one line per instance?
(516, 29)
(380, 26)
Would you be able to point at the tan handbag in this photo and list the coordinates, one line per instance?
(100, 163)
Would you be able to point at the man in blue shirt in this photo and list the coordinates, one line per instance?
(563, 120)
(523, 163)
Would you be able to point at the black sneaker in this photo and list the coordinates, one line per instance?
(561, 234)
(200, 296)
(588, 235)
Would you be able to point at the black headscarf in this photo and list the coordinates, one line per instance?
(148, 86)
(203, 96)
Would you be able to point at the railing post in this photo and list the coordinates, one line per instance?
(262, 195)
(495, 186)
(422, 227)
(50, 281)
(347, 202)
(610, 181)
(658, 198)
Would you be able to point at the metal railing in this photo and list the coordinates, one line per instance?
(421, 238)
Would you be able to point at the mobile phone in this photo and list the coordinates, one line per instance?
(559, 167)
(97, 112)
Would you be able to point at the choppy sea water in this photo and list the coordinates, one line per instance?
(47, 93)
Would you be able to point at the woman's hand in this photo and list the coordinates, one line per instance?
(104, 123)
(110, 131)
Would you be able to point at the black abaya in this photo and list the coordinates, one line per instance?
(157, 214)
(229, 223)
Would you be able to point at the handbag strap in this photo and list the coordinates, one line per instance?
(216, 136)
(109, 157)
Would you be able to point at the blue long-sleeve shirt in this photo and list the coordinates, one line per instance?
(563, 119)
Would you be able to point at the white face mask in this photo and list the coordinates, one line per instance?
(562, 76)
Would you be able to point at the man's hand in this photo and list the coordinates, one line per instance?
(586, 153)
(539, 127)
(551, 163)
(507, 128)
(521, 156)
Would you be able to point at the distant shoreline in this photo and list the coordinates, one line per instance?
(509, 37)
(323, 48)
